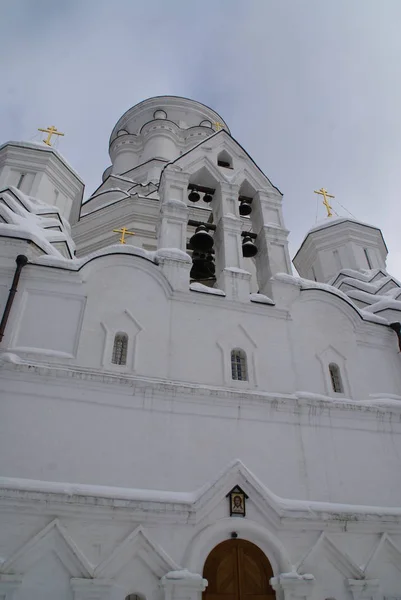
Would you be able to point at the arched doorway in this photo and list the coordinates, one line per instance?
(238, 570)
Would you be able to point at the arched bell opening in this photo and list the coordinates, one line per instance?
(200, 246)
(135, 596)
(245, 198)
(202, 188)
(237, 569)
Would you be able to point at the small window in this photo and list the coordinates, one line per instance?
(337, 259)
(366, 251)
(224, 160)
(335, 377)
(239, 371)
(120, 347)
(20, 180)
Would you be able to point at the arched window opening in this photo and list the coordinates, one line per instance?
(134, 597)
(239, 369)
(335, 377)
(120, 347)
(225, 160)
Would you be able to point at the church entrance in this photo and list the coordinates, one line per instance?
(237, 570)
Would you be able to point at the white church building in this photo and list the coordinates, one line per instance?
(180, 416)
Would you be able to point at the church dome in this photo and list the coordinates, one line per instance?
(159, 130)
(185, 113)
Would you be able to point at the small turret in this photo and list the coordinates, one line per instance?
(340, 243)
(41, 172)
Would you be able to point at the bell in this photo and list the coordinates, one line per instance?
(245, 209)
(202, 266)
(248, 248)
(193, 196)
(201, 240)
(207, 198)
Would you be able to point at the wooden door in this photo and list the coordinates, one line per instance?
(237, 570)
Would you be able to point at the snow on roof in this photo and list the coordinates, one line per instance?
(329, 221)
(307, 284)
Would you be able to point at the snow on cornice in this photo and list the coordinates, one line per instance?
(27, 218)
(235, 469)
(329, 222)
(43, 148)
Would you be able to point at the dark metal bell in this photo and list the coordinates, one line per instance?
(201, 240)
(207, 198)
(193, 196)
(248, 248)
(245, 209)
(202, 266)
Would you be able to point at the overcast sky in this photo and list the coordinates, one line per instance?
(310, 88)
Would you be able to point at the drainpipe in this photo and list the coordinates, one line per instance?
(21, 261)
(397, 328)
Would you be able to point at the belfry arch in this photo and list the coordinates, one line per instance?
(237, 569)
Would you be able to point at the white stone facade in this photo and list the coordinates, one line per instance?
(114, 477)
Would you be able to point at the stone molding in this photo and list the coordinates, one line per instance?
(292, 586)
(9, 585)
(367, 589)
(183, 585)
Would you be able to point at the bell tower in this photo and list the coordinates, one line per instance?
(219, 207)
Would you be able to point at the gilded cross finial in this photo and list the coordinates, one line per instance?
(218, 125)
(325, 195)
(124, 231)
(50, 131)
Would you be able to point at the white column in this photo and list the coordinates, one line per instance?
(8, 585)
(172, 227)
(92, 589)
(273, 256)
(365, 589)
(291, 586)
(183, 585)
(230, 272)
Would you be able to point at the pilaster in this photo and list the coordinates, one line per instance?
(183, 585)
(365, 589)
(292, 586)
(172, 229)
(231, 274)
(267, 221)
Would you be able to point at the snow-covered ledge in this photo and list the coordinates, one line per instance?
(9, 585)
(183, 585)
(92, 589)
(367, 589)
(176, 266)
(292, 586)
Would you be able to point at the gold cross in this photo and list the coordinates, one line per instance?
(218, 125)
(50, 131)
(124, 231)
(325, 195)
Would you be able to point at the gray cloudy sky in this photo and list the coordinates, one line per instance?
(311, 88)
